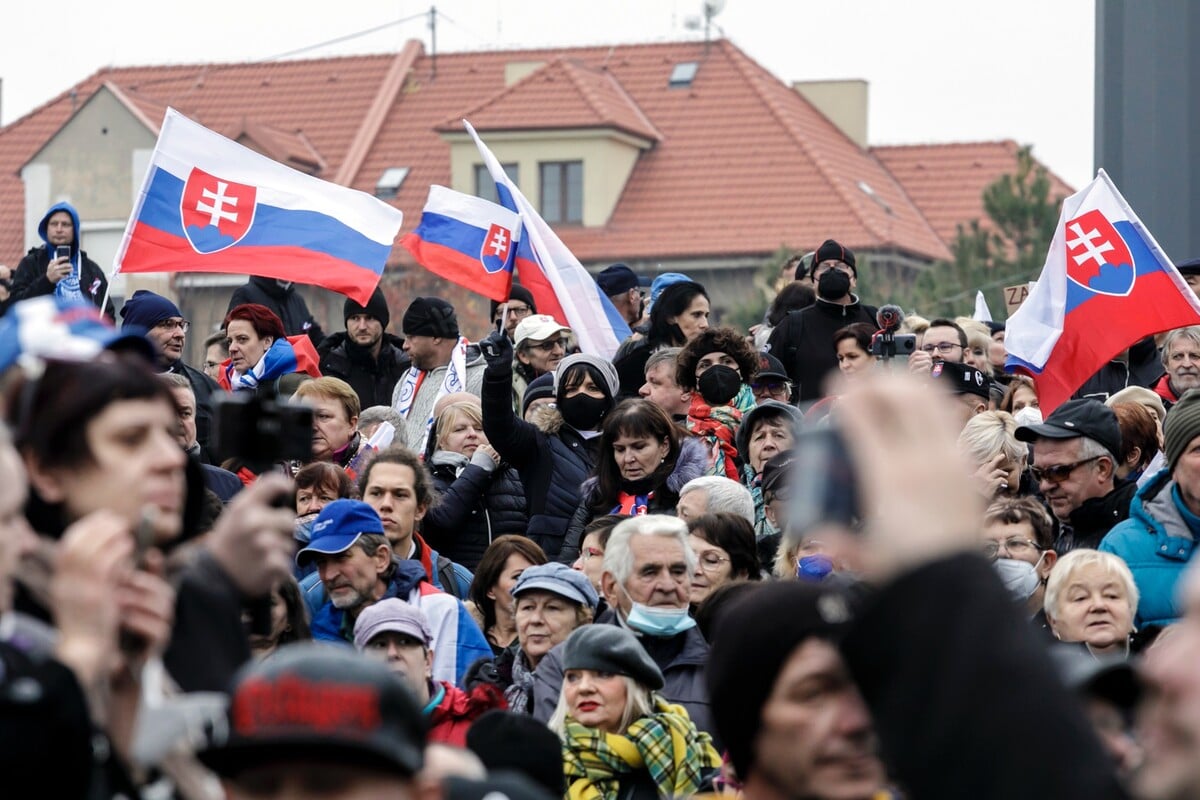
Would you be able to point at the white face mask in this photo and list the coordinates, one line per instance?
(1020, 578)
(1028, 416)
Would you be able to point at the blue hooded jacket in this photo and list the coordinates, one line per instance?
(30, 279)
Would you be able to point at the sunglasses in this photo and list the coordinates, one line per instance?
(1059, 473)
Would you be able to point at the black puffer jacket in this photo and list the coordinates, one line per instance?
(473, 508)
(372, 379)
(692, 463)
(552, 459)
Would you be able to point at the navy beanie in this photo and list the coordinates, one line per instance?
(146, 309)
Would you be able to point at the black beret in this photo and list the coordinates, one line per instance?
(609, 648)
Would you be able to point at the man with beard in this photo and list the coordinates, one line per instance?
(803, 342)
(1181, 359)
(368, 358)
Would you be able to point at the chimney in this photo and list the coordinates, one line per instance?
(844, 102)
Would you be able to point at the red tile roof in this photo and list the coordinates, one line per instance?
(741, 163)
(562, 94)
(946, 181)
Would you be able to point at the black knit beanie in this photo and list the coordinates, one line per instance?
(1181, 426)
(754, 638)
(376, 307)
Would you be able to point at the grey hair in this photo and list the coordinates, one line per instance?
(618, 555)
(1065, 567)
(376, 415)
(174, 380)
(663, 354)
(1190, 333)
(1089, 448)
(724, 494)
(639, 702)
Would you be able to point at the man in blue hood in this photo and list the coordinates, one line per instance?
(42, 272)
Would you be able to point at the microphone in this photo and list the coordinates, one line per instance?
(889, 317)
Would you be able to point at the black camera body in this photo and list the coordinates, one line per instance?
(261, 431)
(888, 345)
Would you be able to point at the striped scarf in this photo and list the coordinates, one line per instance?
(666, 744)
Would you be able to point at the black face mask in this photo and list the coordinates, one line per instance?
(719, 384)
(833, 284)
(583, 413)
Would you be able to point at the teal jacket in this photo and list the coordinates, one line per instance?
(1156, 542)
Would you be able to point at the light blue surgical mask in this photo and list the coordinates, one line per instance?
(653, 621)
(1020, 578)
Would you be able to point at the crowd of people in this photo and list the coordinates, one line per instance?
(375, 564)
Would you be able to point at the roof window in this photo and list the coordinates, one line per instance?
(388, 185)
(683, 74)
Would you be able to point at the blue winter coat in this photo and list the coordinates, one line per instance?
(1156, 542)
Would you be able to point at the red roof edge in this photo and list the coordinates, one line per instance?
(389, 88)
(133, 107)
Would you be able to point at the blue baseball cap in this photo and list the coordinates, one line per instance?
(338, 527)
(663, 281)
(558, 579)
(51, 328)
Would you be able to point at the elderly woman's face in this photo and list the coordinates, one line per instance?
(595, 699)
(544, 619)
(713, 569)
(1093, 607)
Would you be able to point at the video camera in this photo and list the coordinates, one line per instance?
(260, 431)
(886, 344)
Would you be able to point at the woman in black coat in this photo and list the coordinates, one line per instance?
(644, 460)
(480, 497)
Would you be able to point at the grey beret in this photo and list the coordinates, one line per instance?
(609, 648)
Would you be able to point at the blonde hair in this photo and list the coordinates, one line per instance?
(981, 341)
(971, 325)
(914, 323)
(450, 414)
(989, 434)
(639, 702)
(1064, 569)
(330, 388)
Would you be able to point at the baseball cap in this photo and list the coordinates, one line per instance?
(537, 327)
(1189, 267)
(559, 579)
(312, 700)
(338, 526)
(48, 327)
(663, 281)
(770, 367)
(962, 378)
(394, 615)
(617, 278)
(1081, 417)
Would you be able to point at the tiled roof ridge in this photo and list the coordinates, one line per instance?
(389, 88)
(135, 101)
(1010, 144)
(574, 67)
(496, 97)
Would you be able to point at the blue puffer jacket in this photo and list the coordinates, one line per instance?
(474, 507)
(1156, 542)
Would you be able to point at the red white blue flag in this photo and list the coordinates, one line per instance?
(208, 204)
(467, 240)
(560, 286)
(1106, 285)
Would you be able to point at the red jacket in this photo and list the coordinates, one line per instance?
(1163, 389)
(453, 710)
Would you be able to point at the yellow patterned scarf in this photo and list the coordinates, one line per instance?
(666, 744)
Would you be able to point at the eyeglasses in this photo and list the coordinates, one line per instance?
(710, 562)
(942, 347)
(1058, 473)
(775, 387)
(514, 311)
(172, 324)
(548, 347)
(1015, 546)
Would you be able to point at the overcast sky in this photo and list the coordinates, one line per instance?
(939, 70)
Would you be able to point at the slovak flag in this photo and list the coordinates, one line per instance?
(560, 286)
(209, 204)
(1106, 284)
(466, 240)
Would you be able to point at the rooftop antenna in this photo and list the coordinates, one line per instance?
(433, 39)
(711, 9)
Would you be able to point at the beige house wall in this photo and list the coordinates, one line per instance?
(608, 160)
(844, 102)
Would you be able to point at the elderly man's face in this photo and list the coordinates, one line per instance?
(692, 505)
(1183, 365)
(660, 576)
(1085, 480)
(1169, 718)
